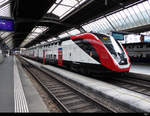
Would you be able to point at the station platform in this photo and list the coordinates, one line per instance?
(140, 69)
(17, 93)
(1, 58)
(134, 100)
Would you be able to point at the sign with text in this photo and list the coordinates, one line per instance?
(118, 36)
(6, 24)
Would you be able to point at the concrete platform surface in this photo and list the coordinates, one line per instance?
(140, 102)
(1, 58)
(7, 85)
(17, 93)
(34, 101)
(140, 69)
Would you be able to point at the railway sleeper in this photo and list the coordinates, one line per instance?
(79, 106)
(63, 99)
(63, 95)
(70, 102)
(75, 102)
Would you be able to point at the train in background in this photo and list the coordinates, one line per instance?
(85, 53)
(138, 52)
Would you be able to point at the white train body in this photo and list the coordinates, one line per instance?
(90, 52)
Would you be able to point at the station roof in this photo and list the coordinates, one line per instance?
(39, 20)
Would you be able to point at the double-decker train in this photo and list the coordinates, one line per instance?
(86, 53)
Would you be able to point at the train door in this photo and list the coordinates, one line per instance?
(60, 58)
(43, 56)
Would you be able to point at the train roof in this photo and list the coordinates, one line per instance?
(65, 38)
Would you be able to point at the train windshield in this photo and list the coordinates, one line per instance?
(113, 46)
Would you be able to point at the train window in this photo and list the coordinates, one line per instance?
(54, 57)
(59, 43)
(111, 44)
(87, 47)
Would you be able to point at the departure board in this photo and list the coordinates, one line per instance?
(6, 24)
(118, 36)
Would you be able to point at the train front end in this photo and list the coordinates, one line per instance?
(113, 55)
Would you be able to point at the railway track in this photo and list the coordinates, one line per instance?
(68, 98)
(131, 83)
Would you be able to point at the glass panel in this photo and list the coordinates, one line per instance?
(147, 8)
(5, 34)
(128, 18)
(8, 40)
(112, 21)
(3, 1)
(5, 10)
(134, 16)
(99, 28)
(60, 10)
(39, 29)
(139, 15)
(122, 20)
(64, 7)
(102, 26)
(85, 27)
(90, 27)
(74, 32)
(69, 2)
(96, 27)
(66, 13)
(34, 34)
(143, 12)
(51, 8)
(107, 25)
(63, 35)
(57, 1)
(119, 21)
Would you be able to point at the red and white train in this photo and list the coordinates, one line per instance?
(87, 53)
